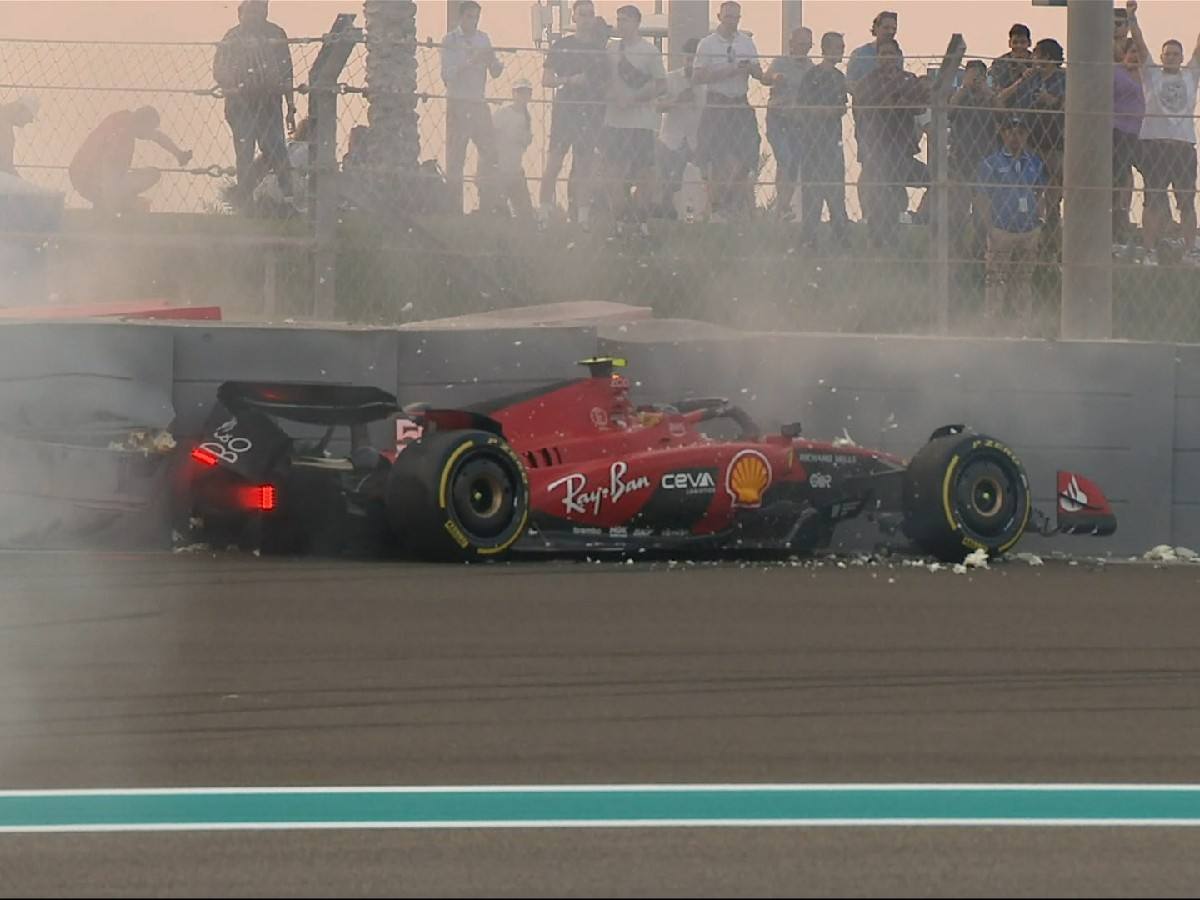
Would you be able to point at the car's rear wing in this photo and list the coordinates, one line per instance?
(312, 404)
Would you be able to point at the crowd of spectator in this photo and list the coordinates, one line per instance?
(631, 129)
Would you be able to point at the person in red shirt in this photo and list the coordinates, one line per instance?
(101, 170)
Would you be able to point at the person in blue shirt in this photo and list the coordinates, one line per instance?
(863, 59)
(1011, 204)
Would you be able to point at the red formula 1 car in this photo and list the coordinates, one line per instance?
(577, 466)
(700, 474)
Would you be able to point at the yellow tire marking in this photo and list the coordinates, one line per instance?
(946, 493)
(492, 551)
(447, 469)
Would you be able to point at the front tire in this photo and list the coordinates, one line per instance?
(965, 492)
(458, 495)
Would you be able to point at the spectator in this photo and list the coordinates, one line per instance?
(269, 196)
(636, 78)
(17, 114)
(823, 97)
(862, 61)
(728, 137)
(972, 140)
(514, 134)
(1120, 33)
(682, 106)
(785, 118)
(886, 104)
(101, 169)
(1168, 148)
(253, 67)
(1008, 69)
(577, 68)
(1040, 94)
(1129, 108)
(467, 61)
(1008, 202)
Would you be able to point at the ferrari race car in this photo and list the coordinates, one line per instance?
(576, 466)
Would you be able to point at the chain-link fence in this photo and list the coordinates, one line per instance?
(962, 240)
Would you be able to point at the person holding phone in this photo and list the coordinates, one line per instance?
(467, 61)
(728, 136)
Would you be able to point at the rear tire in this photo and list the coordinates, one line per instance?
(965, 492)
(458, 495)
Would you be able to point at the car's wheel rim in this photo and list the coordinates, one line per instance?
(482, 498)
(986, 496)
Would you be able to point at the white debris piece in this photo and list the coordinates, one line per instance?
(193, 548)
(845, 440)
(959, 569)
(978, 559)
(145, 442)
(1169, 554)
(1032, 558)
(1161, 553)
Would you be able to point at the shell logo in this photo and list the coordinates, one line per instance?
(747, 478)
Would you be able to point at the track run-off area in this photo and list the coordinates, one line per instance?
(175, 724)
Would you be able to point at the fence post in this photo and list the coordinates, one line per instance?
(1087, 307)
(322, 109)
(939, 158)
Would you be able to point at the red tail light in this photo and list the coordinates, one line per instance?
(204, 456)
(259, 497)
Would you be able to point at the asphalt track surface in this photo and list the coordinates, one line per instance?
(192, 670)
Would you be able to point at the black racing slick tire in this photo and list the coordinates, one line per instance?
(963, 493)
(458, 495)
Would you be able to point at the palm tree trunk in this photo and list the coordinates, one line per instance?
(395, 143)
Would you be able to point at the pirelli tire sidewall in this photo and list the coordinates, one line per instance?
(941, 515)
(425, 497)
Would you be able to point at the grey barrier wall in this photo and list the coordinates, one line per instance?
(1123, 414)
(69, 394)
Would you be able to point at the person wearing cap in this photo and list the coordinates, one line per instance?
(1010, 203)
(514, 134)
(101, 168)
(253, 68)
(14, 115)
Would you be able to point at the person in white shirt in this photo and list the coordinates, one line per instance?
(681, 106)
(728, 136)
(467, 61)
(514, 134)
(1168, 140)
(637, 77)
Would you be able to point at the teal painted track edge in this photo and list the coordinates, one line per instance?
(597, 806)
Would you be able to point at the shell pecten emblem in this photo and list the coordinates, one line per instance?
(747, 478)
